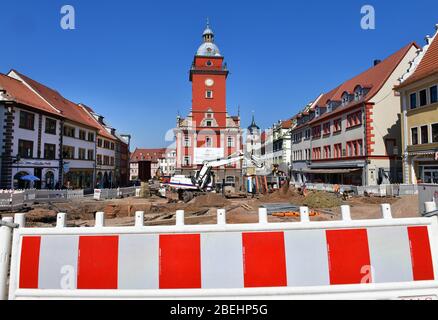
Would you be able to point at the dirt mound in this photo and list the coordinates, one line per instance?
(211, 200)
(314, 200)
(284, 194)
(322, 200)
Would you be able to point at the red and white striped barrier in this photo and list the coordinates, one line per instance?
(387, 258)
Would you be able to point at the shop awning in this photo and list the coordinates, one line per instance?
(330, 171)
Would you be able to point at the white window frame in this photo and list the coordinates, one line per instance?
(428, 133)
(416, 101)
(412, 140)
(429, 93)
(431, 133)
(209, 94)
(230, 142)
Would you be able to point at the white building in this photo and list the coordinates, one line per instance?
(49, 137)
(29, 134)
(105, 151)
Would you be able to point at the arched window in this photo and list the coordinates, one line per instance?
(345, 98)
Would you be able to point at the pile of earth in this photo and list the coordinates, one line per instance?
(210, 200)
(322, 200)
(314, 200)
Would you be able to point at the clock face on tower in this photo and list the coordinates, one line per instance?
(209, 82)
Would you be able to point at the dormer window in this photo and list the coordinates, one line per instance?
(358, 93)
(345, 98)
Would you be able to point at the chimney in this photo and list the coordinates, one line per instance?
(376, 62)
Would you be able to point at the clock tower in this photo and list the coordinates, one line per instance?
(208, 132)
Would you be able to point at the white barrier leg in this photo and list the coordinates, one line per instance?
(60, 220)
(304, 214)
(430, 207)
(5, 252)
(180, 217)
(263, 216)
(346, 214)
(221, 217)
(100, 219)
(20, 219)
(139, 219)
(386, 211)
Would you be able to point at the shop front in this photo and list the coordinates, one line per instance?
(45, 170)
(340, 172)
(424, 167)
(78, 179)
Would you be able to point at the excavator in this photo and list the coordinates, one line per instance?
(202, 182)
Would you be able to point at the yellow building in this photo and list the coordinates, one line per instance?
(419, 118)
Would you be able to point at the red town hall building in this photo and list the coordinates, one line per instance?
(208, 132)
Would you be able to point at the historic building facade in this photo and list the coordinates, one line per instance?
(354, 129)
(419, 115)
(45, 135)
(208, 132)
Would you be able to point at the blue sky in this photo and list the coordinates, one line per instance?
(129, 60)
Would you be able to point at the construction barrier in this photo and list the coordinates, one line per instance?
(105, 194)
(373, 259)
(126, 192)
(393, 190)
(427, 198)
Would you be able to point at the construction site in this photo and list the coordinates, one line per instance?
(283, 206)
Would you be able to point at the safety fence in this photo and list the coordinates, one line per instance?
(393, 190)
(368, 259)
(104, 194)
(428, 198)
(13, 200)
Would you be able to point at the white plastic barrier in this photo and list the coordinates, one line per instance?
(12, 200)
(104, 194)
(373, 259)
(29, 195)
(75, 194)
(48, 195)
(427, 193)
(126, 192)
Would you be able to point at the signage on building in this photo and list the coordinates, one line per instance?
(35, 163)
(66, 167)
(208, 154)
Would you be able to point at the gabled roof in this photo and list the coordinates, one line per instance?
(17, 91)
(373, 79)
(102, 129)
(152, 155)
(428, 64)
(286, 124)
(68, 109)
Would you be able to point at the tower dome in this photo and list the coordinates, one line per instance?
(208, 48)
